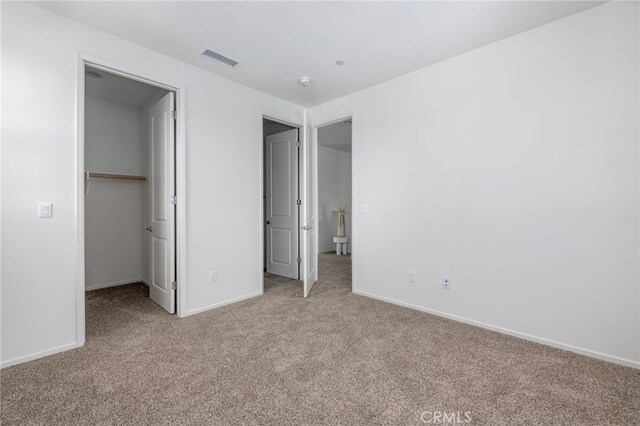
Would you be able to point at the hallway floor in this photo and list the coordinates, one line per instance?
(333, 358)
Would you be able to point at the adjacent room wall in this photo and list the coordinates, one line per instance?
(513, 170)
(223, 145)
(334, 186)
(113, 209)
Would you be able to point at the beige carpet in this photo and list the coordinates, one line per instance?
(334, 358)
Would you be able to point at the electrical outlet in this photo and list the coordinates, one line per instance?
(412, 276)
(446, 283)
(213, 276)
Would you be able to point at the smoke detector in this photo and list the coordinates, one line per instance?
(304, 81)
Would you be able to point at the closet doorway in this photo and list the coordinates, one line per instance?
(129, 185)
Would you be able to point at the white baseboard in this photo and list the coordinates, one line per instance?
(114, 284)
(541, 340)
(220, 304)
(37, 355)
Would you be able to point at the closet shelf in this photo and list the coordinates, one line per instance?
(99, 175)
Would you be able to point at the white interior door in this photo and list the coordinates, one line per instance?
(308, 195)
(162, 210)
(282, 204)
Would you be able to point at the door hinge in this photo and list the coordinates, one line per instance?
(299, 202)
(299, 260)
(174, 285)
(298, 144)
(174, 200)
(174, 115)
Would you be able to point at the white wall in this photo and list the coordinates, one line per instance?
(334, 186)
(113, 134)
(113, 209)
(223, 145)
(512, 169)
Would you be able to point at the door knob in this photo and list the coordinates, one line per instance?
(268, 222)
(150, 228)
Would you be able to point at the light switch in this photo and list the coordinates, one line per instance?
(45, 209)
(364, 208)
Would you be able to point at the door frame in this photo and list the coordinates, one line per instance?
(353, 191)
(263, 116)
(310, 163)
(84, 59)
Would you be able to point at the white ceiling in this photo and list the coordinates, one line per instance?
(113, 88)
(336, 136)
(277, 42)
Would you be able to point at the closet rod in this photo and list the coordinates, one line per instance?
(98, 175)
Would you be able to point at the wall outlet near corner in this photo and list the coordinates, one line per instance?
(412, 276)
(213, 276)
(446, 283)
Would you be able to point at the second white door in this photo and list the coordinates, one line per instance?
(282, 204)
(162, 188)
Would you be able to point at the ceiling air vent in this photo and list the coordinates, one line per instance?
(215, 56)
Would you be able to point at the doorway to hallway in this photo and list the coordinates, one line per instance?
(281, 197)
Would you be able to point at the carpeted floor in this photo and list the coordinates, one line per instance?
(334, 358)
